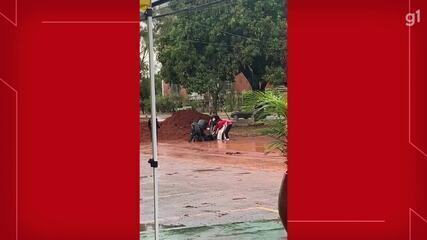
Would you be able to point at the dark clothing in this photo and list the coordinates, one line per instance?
(209, 137)
(196, 133)
(158, 126)
(203, 124)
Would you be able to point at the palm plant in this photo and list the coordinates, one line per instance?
(270, 103)
(266, 104)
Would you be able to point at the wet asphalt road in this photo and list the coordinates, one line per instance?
(221, 194)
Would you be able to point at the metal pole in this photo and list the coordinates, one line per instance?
(153, 161)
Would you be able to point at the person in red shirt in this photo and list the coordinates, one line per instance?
(212, 123)
(223, 127)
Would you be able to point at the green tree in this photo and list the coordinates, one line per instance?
(144, 70)
(262, 52)
(203, 50)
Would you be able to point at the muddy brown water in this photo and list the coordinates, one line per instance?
(249, 152)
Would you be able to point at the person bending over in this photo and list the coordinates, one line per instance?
(223, 128)
(227, 129)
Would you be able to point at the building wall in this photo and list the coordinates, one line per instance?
(167, 90)
(241, 84)
(183, 92)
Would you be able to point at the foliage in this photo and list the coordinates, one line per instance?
(194, 105)
(274, 75)
(145, 91)
(144, 83)
(203, 50)
(164, 104)
(271, 103)
(264, 50)
(194, 58)
(233, 102)
(167, 104)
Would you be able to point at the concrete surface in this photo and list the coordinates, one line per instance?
(264, 230)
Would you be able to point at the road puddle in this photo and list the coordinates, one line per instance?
(246, 144)
(248, 151)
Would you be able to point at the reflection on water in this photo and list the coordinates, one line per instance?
(246, 144)
(251, 150)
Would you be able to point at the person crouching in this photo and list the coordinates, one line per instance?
(196, 133)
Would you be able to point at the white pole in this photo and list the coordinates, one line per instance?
(153, 121)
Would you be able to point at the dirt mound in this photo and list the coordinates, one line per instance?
(144, 134)
(178, 126)
(175, 127)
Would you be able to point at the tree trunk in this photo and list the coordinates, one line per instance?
(215, 97)
(263, 86)
(254, 78)
(215, 103)
(250, 77)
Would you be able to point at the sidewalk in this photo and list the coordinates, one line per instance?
(269, 230)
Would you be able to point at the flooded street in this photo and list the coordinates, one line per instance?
(221, 190)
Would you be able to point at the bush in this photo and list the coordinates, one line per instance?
(194, 105)
(271, 103)
(233, 102)
(165, 104)
(147, 105)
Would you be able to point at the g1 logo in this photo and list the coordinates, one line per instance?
(413, 18)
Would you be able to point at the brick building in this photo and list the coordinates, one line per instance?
(240, 85)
